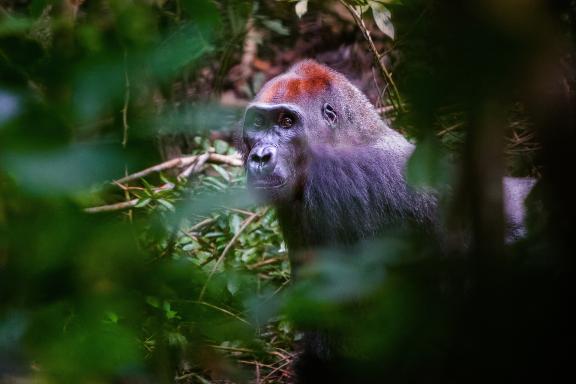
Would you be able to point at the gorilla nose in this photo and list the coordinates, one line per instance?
(262, 160)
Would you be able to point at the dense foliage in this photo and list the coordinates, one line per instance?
(177, 274)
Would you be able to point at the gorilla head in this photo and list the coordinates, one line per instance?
(309, 109)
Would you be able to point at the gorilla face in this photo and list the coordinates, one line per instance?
(272, 134)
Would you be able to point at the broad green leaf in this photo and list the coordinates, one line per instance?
(301, 8)
(144, 202)
(233, 284)
(382, 17)
(166, 204)
(221, 171)
(221, 146)
(276, 26)
(235, 223)
(212, 181)
(190, 247)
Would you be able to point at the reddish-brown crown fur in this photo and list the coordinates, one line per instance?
(307, 79)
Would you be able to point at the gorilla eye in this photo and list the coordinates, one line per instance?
(329, 114)
(258, 121)
(286, 121)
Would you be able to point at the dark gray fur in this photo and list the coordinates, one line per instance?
(353, 194)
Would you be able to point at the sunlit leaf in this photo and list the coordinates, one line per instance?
(235, 223)
(382, 17)
(301, 8)
(221, 171)
(276, 26)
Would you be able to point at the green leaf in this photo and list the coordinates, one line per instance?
(233, 285)
(171, 314)
(221, 171)
(301, 8)
(176, 339)
(217, 184)
(153, 301)
(190, 247)
(111, 317)
(276, 26)
(382, 17)
(144, 202)
(221, 146)
(235, 223)
(166, 204)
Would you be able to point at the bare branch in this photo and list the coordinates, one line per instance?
(196, 166)
(182, 162)
(174, 163)
(200, 225)
(232, 160)
(113, 207)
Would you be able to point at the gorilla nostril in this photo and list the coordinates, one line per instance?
(266, 157)
(262, 160)
(262, 156)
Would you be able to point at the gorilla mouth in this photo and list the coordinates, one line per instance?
(266, 182)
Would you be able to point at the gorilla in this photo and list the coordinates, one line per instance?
(317, 150)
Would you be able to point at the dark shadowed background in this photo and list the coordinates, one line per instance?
(176, 274)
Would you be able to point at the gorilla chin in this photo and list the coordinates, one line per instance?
(270, 188)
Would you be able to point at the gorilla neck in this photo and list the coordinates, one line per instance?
(353, 194)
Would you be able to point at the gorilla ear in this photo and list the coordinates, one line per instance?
(329, 114)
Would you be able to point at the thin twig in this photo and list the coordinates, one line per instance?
(127, 195)
(241, 211)
(450, 128)
(201, 224)
(234, 161)
(192, 374)
(264, 262)
(232, 314)
(173, 163)
(181, 162)
(279, 368)
(193, 168)
(126, 204)
(245, 225)
(126, 102)
(269, 366)
(232, 349)
(392, 90)
(385, 110)
(112, 207)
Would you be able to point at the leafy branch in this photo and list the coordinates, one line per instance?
(382, 19)
(188, 164)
